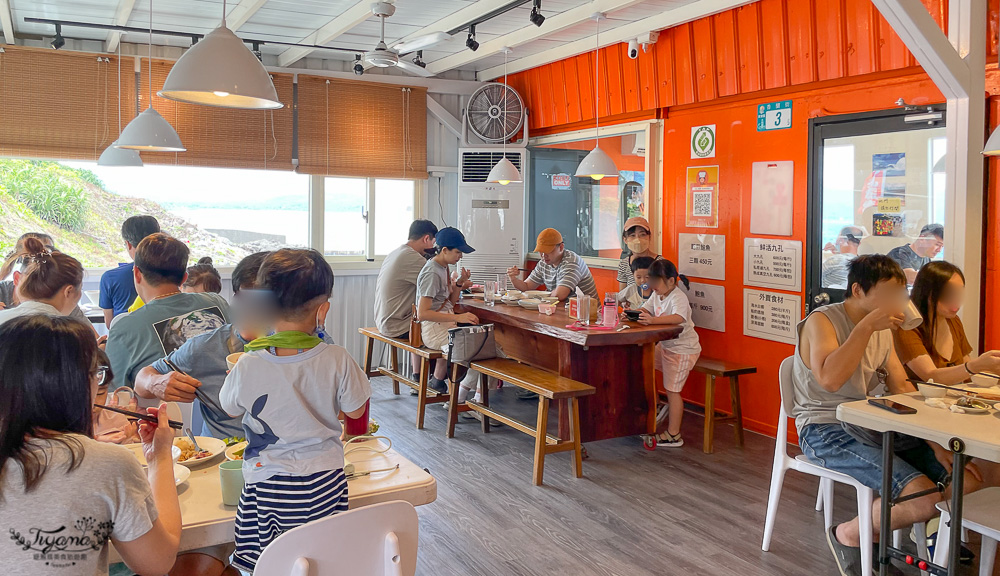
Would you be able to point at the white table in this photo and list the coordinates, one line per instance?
(966, 435)
(206, 521)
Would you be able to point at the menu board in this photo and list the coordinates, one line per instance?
(702, 255)
(708, 306)
(770, 315)
(773, 263)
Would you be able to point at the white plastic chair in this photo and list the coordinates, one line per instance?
(980, 514)
(376, 540)
(824, 499)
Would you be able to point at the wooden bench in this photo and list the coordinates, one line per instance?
(427, 356)
(549, 386)
(712, 368)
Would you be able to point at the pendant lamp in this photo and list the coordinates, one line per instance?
(992, 147)
(504, 172)
(221, 71)
(149, 131)
(113, 156)
(597, 164)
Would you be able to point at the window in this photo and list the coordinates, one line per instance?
(393, 214)
(352, 227)
(592, 226)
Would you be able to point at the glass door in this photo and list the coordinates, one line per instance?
(876, 185)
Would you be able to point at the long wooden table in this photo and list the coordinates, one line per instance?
(620, 365)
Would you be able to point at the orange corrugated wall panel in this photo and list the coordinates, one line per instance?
(830, 39)
(726, 54)
(748, 42)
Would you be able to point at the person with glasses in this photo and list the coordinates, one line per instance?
(844, 250)
(637, 237)
(913, 256)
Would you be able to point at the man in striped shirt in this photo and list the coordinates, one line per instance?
(559, 269)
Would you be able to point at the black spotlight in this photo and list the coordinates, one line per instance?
(536, 16)
(359, 68)
(470, 42)
(58, 42)
(418, 59)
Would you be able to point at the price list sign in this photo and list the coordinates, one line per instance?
(770, 315)
(708, 305)
(773, 263)
(702, 255)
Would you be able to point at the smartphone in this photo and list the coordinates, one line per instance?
(894, 407)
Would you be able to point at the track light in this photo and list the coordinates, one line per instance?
(470, 42)
(359, 68)
(536, 16)
(58, 42)
(418, 59)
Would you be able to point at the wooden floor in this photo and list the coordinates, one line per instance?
(635, 512)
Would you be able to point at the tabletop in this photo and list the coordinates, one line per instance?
(555, 325)
(208, 522)
(980, 432)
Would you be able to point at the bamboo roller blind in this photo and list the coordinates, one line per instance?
(64, 105)
(353, 128)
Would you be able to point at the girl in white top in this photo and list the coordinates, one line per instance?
(50, 285)
(675, 358)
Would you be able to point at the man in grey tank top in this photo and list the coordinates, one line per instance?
(845, 353)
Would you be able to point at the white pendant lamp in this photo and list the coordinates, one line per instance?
(221, 71)
(504, 172)
(992, 147)
(113, 156)
(149, 131)
(597, 164)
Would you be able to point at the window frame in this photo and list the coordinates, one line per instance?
(651, 130)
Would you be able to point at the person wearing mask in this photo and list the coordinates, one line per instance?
(913, 256)
(637, 237)
(560, 270)
(845, 249)
(118, 290)
(51, 284)
(58, 484)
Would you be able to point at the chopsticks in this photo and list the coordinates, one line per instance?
(199, 393)
(173, 423)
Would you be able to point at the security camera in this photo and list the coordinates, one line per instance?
(633, 49)
(359, 68)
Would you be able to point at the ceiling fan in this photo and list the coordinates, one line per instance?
(384, 57)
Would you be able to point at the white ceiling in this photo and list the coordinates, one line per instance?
(349, 24)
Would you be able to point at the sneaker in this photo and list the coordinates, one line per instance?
(668, 440)
(439, 386)
(848, 557)
(523, 394)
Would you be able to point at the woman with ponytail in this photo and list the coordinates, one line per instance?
(675, 358)
(50, 284)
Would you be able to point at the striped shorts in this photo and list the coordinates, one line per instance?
(280, 503)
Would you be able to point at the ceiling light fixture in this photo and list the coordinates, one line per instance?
(112, 155)
(149, 131)
(221, 71)
(504, 172)
(536, 17)
(597, 164)
(470, 42)
(58, 42)
(359, 68)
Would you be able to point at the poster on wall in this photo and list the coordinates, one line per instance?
(887, 225)
(702, 197)
(562, 182)
(773, 263)
(770, 315)
(708, 306)
(771, 198)
(702, 255)
(703, 141)
(633, 185)
(893, 164)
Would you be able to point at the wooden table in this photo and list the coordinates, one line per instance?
(206, 521)
(620, 365)
(966, 435)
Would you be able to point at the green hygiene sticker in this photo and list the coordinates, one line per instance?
(703, 141)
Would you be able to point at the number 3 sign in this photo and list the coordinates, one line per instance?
(774, 116)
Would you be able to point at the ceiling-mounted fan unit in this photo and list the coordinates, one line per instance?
(485, 115)
(384, 57)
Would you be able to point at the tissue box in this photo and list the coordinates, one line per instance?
(574, 309)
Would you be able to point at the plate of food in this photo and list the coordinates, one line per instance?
(181, 474)
(529, 303)
(235, 452)
(210, 448)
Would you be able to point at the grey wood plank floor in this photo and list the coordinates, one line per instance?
(635, 512)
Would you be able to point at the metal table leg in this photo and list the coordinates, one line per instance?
(885, 528)
(957, 487)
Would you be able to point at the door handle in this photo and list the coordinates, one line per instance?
(822, 299)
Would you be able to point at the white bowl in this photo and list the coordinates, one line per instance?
(529, 303)
(931, 391)
(232, 359)
(984, 380)
(536, 293)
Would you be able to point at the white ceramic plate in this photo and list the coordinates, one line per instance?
(536, 293)
(214, 446)
(136, 450)
(181, 474)
(230, 452)
(529, 303)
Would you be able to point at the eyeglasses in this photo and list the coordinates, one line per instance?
(101, 374)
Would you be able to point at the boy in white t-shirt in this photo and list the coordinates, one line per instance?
(635, 295)
(290, 388)
(675, 358)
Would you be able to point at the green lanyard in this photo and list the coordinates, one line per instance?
(292, 339)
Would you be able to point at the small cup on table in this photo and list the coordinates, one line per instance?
(231, 476)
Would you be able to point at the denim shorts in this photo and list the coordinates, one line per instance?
(830, 446)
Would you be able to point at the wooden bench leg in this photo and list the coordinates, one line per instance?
(369, 349)
(577, 447)
(484, 385)
(734, 391)
(541, 427)
(422, 390)
(453, 385)
(394, 368)
(709, 413)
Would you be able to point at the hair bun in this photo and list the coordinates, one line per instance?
(205, 260)
(34, 246)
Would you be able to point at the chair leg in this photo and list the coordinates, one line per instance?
(709, 413)
(541, 427)
(574, 427)
(453, 385)
(773, 497)
(425, 372)
(828, 503)
(987, 556)
(369, 349)
(734, 392)
(484, 385)
(819, 494)
(865, 499)
(394, 368)
(941, 546)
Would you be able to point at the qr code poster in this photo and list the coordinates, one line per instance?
(703, 196)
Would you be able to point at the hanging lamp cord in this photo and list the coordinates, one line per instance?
(597, 92)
